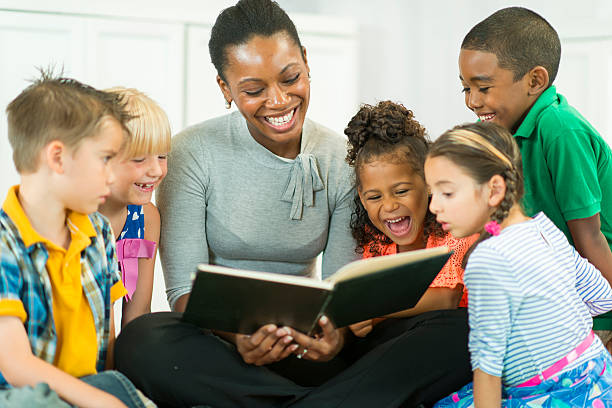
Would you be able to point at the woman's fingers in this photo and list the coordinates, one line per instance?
(291, 349)
(261, 335)
(249, 345)
(266, 345)
(329, 330)
(322, 348)
(279, 350)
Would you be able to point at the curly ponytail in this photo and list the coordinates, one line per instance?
(385, 130)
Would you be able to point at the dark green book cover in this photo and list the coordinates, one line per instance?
(242, 301)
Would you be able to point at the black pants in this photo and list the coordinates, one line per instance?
(401, 363)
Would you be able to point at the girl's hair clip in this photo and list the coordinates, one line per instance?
(493, 228)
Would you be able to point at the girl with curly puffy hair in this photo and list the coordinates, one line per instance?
(387, 149)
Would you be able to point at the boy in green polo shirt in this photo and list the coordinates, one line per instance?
(507, 65)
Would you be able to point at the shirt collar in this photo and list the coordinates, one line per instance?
(529, 123)
(77, 222)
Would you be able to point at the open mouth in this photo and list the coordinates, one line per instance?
(282, 122)
(486, 117)
(145, 187)
(399, 226)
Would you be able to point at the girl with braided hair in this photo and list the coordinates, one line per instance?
(532, 296)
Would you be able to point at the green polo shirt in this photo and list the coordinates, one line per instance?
(567, 168)
(566, 163)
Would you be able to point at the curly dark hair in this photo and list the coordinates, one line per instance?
(387, 129)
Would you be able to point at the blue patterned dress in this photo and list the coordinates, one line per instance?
(134, 223)
(131, 245)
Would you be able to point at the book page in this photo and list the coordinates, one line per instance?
(380, 263)
(268, 276)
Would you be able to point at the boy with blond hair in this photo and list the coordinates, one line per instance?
(508, 63)
(58, 269)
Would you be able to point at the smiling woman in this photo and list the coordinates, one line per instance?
(267, 78)
(266, 189)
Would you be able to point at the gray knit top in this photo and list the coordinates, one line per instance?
(229, 201)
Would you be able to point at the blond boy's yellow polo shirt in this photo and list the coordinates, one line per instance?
(77, 340)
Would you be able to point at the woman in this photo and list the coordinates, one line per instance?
(265, 189)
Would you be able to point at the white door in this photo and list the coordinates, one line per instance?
(28, 41)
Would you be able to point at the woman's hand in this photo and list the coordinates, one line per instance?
(267, 345)
(322, 347)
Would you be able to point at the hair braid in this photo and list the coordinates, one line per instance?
(506, 204)
(484, 150)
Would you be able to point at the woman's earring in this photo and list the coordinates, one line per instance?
(228, 104)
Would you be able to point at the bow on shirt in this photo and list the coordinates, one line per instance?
(128, 252)
(304, 181)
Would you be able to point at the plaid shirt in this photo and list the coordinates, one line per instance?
(25, 286)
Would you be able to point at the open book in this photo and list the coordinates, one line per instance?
(242, 301)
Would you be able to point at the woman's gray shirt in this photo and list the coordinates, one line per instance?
(229, 201)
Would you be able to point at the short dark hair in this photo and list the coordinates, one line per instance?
(386, 130)
(520, 38)
(238, 24)
(57, 108)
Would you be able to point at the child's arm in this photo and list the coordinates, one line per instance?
(592, 244)
(20, 368)
(487, 390)
(110, 351)
(432, 299)
(591, 285)
(141, 300)
(447, 288)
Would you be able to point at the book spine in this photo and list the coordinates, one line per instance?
(315, 324)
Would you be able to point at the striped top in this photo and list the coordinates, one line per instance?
(531, 301)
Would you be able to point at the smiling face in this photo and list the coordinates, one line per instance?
(395, 198)
(491, 92)
(460, 204)
(267, 78)
(137, 177)
(87, 170)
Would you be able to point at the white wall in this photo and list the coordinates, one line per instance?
(162, 51)
(408, 52)
(359, 52)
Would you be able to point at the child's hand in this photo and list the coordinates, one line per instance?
(362, 329)
(267, 345)
(322, 347)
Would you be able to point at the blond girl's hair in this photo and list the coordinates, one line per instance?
(150, 127)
